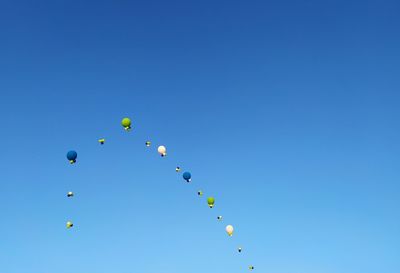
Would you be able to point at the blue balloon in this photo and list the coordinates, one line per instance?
(187, 176)
(72, 155)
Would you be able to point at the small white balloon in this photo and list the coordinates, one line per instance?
(162, 150)
(229, 230)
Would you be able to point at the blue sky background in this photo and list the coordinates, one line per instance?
(287, 112)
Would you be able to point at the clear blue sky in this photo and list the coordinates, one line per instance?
(287, 112)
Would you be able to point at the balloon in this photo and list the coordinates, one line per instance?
(199, 193)
(240, 249)
(101, 141)
(187, 176)
(219, 218)
(229, 230)
(71, 156)
(148, 143)
(177, 169)
(251, 267)
(70, 224)
(210, 201)
(70, 194)
(126, 123)
(162, 150)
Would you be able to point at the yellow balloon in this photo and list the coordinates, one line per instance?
(70, 224)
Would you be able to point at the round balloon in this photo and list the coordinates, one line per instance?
(71, 156)
(126, 123)
(162, 150)
(229, 230)
(187, 176)
(69, 224)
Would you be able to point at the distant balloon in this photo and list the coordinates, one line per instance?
(71, 156)
(229, 230)
(162, 150)
(177, 169)
(148, 143)
(200, 193)
(69, 224)
(70, 194)
(251, 267)
(187, 176)
(211, 201)
(219, 218)
(126, 123)
(101, 141)
(239, 249)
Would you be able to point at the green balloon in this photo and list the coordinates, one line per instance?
(211, 201)
(126, 122)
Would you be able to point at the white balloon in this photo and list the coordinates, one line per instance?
(229, 230)
(162, 150)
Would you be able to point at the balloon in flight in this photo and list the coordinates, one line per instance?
(148, 143)
(229, 230)
(211, 202)
(102, 141)
(162, 150)
(71, 156)
(69, 224)
(126, 123)
(187, 176)
(70, 194)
